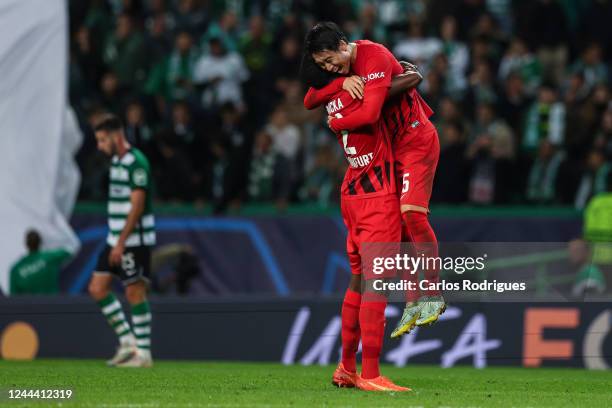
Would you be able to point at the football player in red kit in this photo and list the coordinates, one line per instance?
(370, 210)
(414, 141)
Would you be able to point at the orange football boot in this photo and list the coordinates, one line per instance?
(343, 378)
(379, 383)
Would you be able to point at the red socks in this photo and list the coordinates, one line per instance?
(417, 230)
(350, 329)
(372, 322)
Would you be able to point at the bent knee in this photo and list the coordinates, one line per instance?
(97, 290)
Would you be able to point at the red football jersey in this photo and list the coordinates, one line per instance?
(377, 65)
(367, 149)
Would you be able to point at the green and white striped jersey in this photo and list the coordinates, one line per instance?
(127, 173)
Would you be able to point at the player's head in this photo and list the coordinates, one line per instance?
(313, 76)
(109, 134)
(329, 48)
(33, 240)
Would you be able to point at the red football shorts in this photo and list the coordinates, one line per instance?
(416, 155)
(374, 230)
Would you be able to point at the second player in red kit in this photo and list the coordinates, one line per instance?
(415, 147)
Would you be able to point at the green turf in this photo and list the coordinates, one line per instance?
(201, 384)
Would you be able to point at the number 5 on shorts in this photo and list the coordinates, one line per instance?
(405, 183)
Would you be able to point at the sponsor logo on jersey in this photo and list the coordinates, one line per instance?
(373, 76)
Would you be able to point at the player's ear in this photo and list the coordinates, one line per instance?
(343, 45)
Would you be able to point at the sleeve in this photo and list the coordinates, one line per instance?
(378, 75)
(139, 176)
(317, 97)
(366, 115)
(378, 70)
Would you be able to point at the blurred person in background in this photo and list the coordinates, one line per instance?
(491, 154)
(367, 26)
(37, 273)
(87, 56)
(481, 88)
(286, 140)
(545, 120)
(230, 139)
(158, 36)
(256, 48)
(545, 27)
(417, 47)
(137, 131)
(189, 16)
(451, 186)
(593, 179)
(591, 66)
(513, 102)
(268, 180)
(587, 126)
(487, 29)
(112, 94)
(285, 66)
(175, 177)
(226, 30)
(457, 56)
(127, 254)
(544, 175)
(172, 79)
(124, 53)
(517, 59)
(222, 74)
(323, 180)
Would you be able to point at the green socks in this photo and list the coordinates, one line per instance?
(141, 321)
(111, 309)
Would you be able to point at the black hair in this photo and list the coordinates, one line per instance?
(312, 75)
(108, 123)
(33, 240)
(324, 36)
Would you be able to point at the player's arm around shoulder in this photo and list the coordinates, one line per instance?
(411, 78)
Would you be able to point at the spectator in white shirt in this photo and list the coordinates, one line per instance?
(222, 73)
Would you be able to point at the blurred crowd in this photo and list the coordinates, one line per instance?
(210, 91)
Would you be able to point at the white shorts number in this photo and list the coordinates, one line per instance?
(405, 183)
(349, 150)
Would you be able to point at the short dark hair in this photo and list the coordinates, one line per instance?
(33, 240)
(313, 76)
(324, 36)
(108, 122)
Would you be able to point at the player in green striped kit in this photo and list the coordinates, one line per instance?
(127, 254)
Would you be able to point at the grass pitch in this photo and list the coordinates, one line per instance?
(208, 384)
